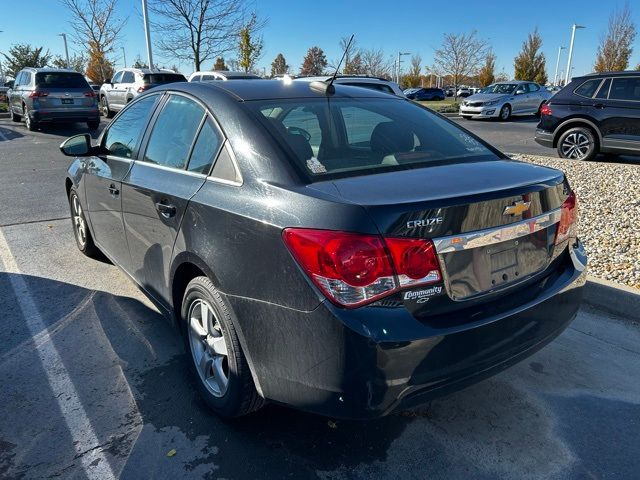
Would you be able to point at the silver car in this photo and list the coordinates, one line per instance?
(503, 99)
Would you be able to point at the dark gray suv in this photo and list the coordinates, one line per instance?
(42, 95)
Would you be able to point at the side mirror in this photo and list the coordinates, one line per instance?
(77, 146)
(519, 92)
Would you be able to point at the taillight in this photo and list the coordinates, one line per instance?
(546, 109)
(36, 94)
(143, 88)
(353, 269)
(90, 93)
(568, 219)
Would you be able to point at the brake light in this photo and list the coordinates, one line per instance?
(568, 219)
(352, 269)
(37, 94)
(90, 93)
(143, 88)
(546, 109)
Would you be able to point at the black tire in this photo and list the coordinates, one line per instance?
(578, 143)
(81, 231)
(15, 117)
(104, 108)
(93, 125)
(31, 124)
(505, 113)
(466, 117)
(239, 396)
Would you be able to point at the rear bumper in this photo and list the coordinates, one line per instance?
(367, 362)
(79, 115)
(544, 138)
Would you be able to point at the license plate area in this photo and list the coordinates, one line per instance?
(475, 271)
(67, 101)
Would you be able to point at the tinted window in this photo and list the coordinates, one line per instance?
(205, 149)
(625, 89)
(534, 87)
(124, 134)
(196, 78)
(389, 134)
(116, 78)
(60, 80)
(604, 89)
(208, 78)
(161, 78)
(174, 132)
(128, 77)
(588, 88)
(303, 121)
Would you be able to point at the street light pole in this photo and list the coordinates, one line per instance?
(124, 56)
(147, 33)
(400, 54)
(574, 27)
(66, 50)
(4, 79)
(555, 77)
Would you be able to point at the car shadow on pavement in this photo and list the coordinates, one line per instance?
(62, 130)
(8, 134)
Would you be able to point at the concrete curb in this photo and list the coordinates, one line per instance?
(613, 298)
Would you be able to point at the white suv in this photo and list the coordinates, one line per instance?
(223, 75)
(128, 83)
(374, 83)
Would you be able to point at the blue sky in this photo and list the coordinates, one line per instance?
(294, 26)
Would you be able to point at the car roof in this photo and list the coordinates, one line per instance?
(225, 73)
(49, 69)
(633, 73)
(324, 78)
(147, 70)
(261, 89)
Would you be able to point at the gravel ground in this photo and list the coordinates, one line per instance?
(609, 213)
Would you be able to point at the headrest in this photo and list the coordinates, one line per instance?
(390, 137)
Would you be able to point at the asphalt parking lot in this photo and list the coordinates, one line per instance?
(95, 385)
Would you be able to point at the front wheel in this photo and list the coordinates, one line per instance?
(217, 361)
(505, 112)
(577, 143)
(81, 232)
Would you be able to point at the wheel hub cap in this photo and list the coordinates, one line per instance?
(576, 145)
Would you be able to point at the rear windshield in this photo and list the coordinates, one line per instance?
(160, 78)
(60, 80)
(353, 136)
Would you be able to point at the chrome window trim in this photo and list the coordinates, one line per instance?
(489, 236)
(604, 80)
(168, 168)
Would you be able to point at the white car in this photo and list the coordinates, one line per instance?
(503, 99)
(464, 92)
(374, 83)
(220, 75)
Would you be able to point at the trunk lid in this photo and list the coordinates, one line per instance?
(493, 222)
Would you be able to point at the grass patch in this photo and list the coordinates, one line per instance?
(4, 107)
(448, 105)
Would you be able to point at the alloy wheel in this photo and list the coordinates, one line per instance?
(105, 107)
(79, 223)
(208, 347)
(576, 146)
(505, 112)
(27, 120)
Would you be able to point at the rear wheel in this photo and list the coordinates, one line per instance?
(104, 107)
(15, 117)
(31, 124)
(217, 361)
(577, 143)
(80, 228)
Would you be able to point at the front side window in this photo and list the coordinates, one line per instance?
(335, 137)
(122, 139)
(174, 132)
(588, 88)
(625, 89)
(116, 78)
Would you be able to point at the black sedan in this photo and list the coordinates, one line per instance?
(339, 250)
(424, 94)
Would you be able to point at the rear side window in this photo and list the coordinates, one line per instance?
(588, 88)
(161, 78)
(196, 78)
(124, 134)
(603, 92)
(625, 89)
(128, 77)
(205, 149)
(174, 132)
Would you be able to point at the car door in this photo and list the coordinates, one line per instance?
(126, 86)
(103, 182)
(520, 99)
(112, 90)
(14, 96)
(535, 97)
(161, 182)
(619, 113)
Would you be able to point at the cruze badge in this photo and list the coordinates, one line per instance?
(516, 208)
(427, 222)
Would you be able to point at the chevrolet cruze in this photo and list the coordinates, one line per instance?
(327, 247)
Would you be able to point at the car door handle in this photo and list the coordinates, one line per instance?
(600, 105)
(113, 190)
(166, 210)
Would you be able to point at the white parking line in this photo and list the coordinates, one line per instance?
(94, 462)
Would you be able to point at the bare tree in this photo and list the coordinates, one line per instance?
(95, 25)
(352, 63)
(616, 46)
(461, 56)
(199, 30)
(375, 64)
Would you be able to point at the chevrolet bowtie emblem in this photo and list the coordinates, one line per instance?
(516, 208)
